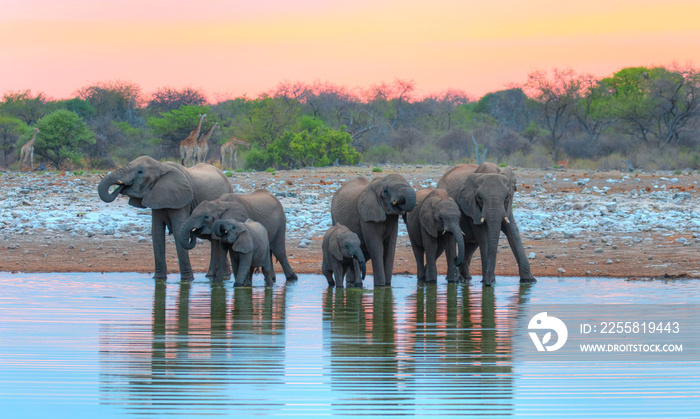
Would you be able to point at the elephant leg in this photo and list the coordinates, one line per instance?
(389, 252)
(219, 268)
(419, 254)
(243, 273)
(469, 249)
(280, 252)
(516, 245)
(448, 245)
(158, 239)
(267, 273)
(482, 238)
(431, 251)
(183, 255)
(339, 274)
(375, 248)
(326, 271)
(234, 264)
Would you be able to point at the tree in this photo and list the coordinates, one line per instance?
(82, 107)
(62, 138)
(657, 104)
(114, 100)
(168, 99)
(271, 118)
(24, 106)
(594, 110)
(556, 97)
(11, 130)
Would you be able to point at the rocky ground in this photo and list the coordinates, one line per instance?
(574, 223)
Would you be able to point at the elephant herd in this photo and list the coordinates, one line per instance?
(468, 210)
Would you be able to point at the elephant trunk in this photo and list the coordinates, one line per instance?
(106, 183)
(359, 259)
(494, 232)
(408, 200)
(188, 235)
(457, 233)
(218, 228)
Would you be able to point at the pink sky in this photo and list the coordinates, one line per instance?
(231, 48)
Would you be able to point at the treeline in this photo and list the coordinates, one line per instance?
(641, 117)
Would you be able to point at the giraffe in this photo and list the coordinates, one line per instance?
(229, 152)
(27, 152)
(189, 144)
(202, 148)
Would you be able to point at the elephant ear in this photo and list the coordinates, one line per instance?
(426, 215)
(171, 190)
(136, 202)
(370, 208)
(467, 198)
(244, 241)
(334, 247)
(508, 172)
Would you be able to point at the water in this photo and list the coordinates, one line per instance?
(115, 345)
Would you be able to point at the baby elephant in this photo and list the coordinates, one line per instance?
(248, 248)
(433, 228)
(342, 257)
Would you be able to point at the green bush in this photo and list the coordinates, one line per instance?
(377, 170)
(62, 138)
(315, 145)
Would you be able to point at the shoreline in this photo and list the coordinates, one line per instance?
(573, 223)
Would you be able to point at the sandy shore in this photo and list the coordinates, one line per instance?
(574, 223)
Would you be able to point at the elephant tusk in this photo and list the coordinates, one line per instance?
(507, 220)
(482, 220)
(463, 234)
(119, 182)
(194, 229)
(444, 231)
(394, 202)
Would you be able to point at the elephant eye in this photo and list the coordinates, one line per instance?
(386, 191)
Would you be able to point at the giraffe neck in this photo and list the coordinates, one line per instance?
(33, 140)
(199, 125)
(207, 134)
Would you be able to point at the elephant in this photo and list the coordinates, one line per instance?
(342, 257)
(433, 227)
(371, 210)
(260, 206)
(248, 247)
(172, 192)
(484, 194)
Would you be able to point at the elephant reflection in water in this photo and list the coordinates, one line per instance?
(458, 332)
(190, 346)
(359, 331)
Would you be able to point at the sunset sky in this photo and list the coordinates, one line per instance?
(229, 47)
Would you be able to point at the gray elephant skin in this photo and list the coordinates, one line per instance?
(433, 228)
(484, 194)
(342, 257)
(172, 192)
(260, 206)
(371, 210)
(248, 247)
